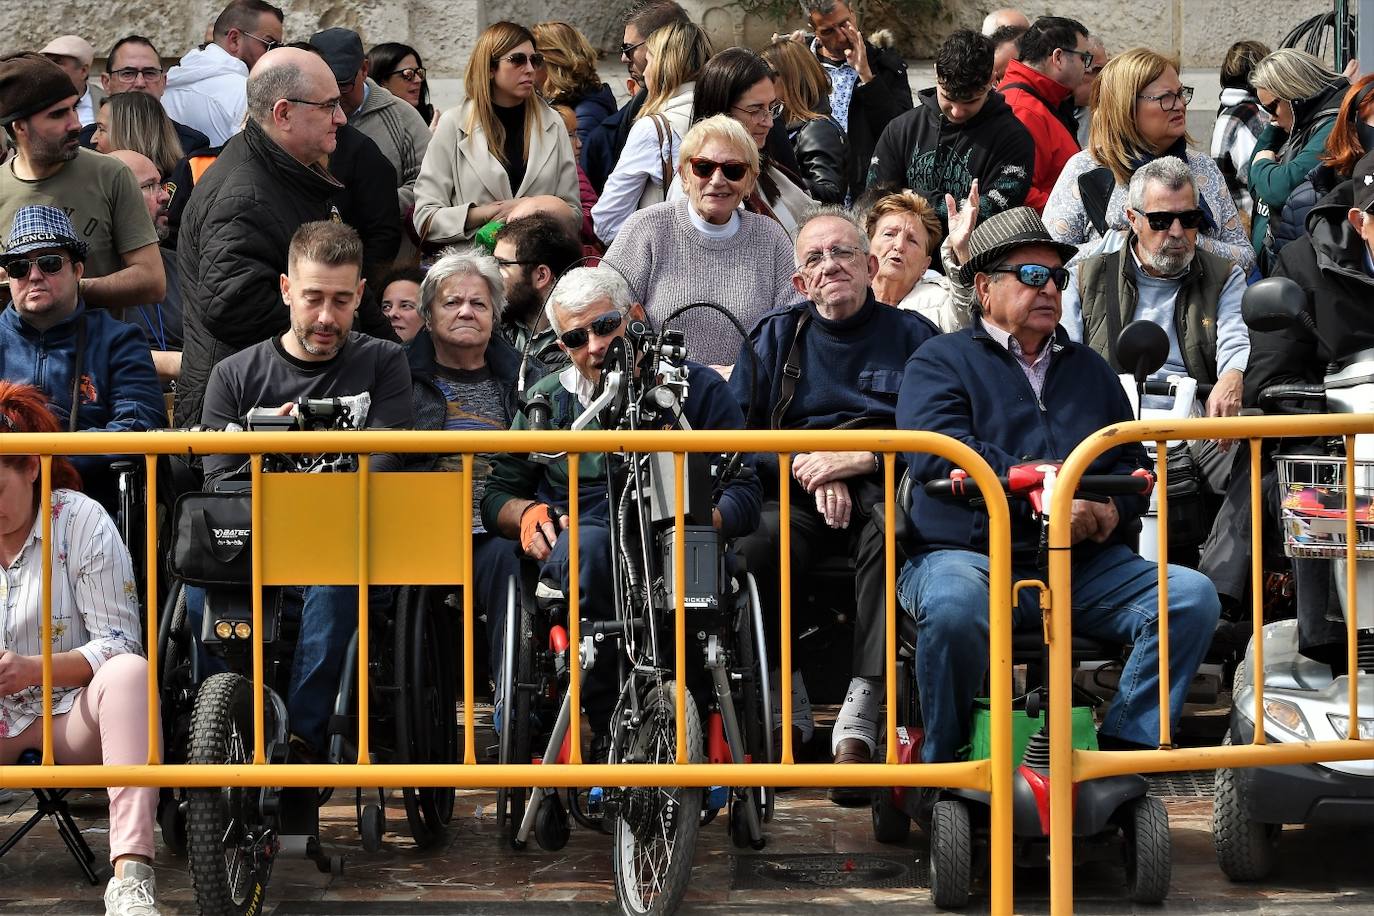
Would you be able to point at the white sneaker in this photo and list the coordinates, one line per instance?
(134, 894)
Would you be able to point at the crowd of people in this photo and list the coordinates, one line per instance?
(266, 220)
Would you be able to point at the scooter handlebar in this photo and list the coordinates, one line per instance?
(960, 486)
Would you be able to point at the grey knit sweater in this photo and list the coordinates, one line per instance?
(669, 263)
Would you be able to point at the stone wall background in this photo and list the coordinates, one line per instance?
(443, 30)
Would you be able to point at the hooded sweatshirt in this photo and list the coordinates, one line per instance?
(399, 131)
(208, 90)
(923, 151)
(1035, 99)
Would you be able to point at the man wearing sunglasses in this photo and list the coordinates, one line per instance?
(1054, 61)
(86, 362)
(1014, 386)
(208, 89)
(527, 500)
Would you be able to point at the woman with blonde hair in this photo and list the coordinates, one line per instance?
(817, 140)
(704, 248)
(135, 121)
(676, 55)
(1140, 110)
(1303, 97)
(569, 75)
(503, 148)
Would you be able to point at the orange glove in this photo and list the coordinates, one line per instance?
(532, 521)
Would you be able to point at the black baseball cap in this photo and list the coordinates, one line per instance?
(342, 50)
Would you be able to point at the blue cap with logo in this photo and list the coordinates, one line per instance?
(40, 227)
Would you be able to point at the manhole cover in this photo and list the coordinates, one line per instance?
(1184, 784)
(764, 872)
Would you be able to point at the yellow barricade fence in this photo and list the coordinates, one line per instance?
(1084, 765)
(342, 529)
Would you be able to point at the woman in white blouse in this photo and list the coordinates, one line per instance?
(645, 169)
(99, 675)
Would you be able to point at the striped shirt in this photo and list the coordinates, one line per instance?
(94, 601)
(1035, 367)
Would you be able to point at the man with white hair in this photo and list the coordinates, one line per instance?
(528, 501)
(1001, 18)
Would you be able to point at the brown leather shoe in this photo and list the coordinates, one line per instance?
(851, 750)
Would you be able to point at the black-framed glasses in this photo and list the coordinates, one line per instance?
(519, 59)
(129, 74)
(705, 168)
(1169, 100)
(411, 74)
(152, 184)
(1163, 220)
(48, 263)
(626, 49)
(1036, 275)
(513, 262)
(1086, 55)
(268, 43)
(577, 338)
(840, 254)
(759, 112)
(1272, 107)
(327, 106)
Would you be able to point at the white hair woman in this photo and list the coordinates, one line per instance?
(705, 248)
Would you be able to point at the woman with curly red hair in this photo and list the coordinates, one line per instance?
(99, 675)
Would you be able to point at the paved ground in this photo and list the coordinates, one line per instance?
(815, 850)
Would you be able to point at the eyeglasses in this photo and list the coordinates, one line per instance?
(627, 50)
(840, 254)
(1093, 71)
(1086, 55)
(48, 263)
(1272, 107)
(411, 74)
(152, 184)
(577, 338)
(129, 74)
(327, 106)
(1036, 275)
(761, 112)
(269, 42)
(1168, 100)
(347, 85)
(512, 262)
(1162, 220)
(705, 168)
(519, 59)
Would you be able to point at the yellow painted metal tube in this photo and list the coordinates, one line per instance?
(45, 625)
(1257, 585)
(256, 549)
(1162, 608)
(364, 630)
(785, 599)
(154, 605)
(469, 689)
(680, 604)
(574, 608)
(890, 599)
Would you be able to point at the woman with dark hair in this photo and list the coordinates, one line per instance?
(99, 675)
(817, 139)
(504, 148)
(569, 75)
(739, 84)
(398, 69)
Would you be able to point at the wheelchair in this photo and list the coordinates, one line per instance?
(233, 835)
(727, 719)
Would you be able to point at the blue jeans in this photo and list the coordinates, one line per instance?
(328, 618)
(1115, 595)
(597, 601)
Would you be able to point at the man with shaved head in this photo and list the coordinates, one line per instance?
(267, 182)
(1007, 16)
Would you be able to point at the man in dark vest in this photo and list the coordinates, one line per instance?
(1160, 274)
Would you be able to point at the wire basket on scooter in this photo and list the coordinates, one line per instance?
(1313, 507)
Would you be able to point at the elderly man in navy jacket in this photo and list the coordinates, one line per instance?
(832, 361)
(50, 339)
(1015, 387)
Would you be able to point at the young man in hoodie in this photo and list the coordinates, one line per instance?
(208, 89)
(1054, 60)
(961, 131)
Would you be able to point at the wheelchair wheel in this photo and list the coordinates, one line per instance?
(754, 703)
(513, 697)
(426, 709)
(655, 831)
(230, 846)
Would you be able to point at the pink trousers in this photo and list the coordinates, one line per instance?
(107, 724)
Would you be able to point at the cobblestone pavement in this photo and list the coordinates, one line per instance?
(813, 846)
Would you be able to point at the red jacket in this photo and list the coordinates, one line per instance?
(1053, 142)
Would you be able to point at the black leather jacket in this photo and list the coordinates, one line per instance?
(823, 156)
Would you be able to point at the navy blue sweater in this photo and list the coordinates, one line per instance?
(850, 369)
(966, 385)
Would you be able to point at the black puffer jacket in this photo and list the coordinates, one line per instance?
(235, 232)
(823, 156)
(1291, 223)
(1329, 264)
(369, 182)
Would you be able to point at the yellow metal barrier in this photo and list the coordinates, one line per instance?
(336, 527)
(1083, 765)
